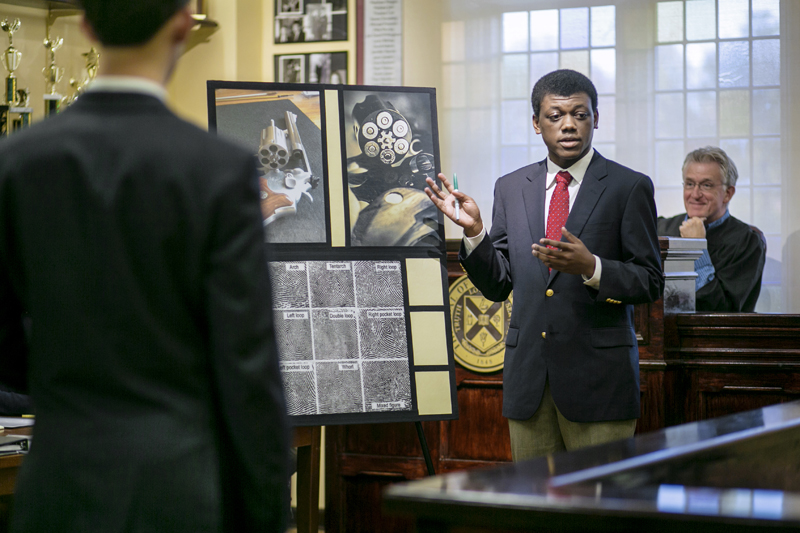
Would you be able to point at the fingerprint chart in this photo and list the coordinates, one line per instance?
(341, 333)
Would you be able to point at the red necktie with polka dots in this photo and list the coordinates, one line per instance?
(559, 207)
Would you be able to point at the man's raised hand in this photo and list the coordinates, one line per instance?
(469, 216)
(693, 228)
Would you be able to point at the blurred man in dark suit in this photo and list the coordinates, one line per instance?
(134, 241)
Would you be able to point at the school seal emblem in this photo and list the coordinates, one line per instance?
(479, 327)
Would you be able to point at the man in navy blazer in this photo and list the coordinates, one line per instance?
(571, 376)
(134, 242)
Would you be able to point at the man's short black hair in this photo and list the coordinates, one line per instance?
(128, 22)
(562, 82)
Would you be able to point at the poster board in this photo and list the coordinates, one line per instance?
(357, 249)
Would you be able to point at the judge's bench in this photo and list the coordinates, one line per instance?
(693, 367)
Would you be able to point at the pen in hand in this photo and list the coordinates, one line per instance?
(455, 188)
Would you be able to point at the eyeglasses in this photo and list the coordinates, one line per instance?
(705, 186)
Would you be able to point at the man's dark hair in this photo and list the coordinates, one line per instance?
(128, 22)
(562, 82)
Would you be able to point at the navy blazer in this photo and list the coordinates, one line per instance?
(134, 241)
(581, 339)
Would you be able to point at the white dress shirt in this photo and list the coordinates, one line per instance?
(127, 84)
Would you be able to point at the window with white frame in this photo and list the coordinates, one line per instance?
(540, 41)
(717, 82)
(672, 75)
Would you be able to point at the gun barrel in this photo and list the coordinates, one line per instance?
(294, 134)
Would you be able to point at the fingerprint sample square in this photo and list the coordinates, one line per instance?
(342, 385)
(289, 285)
(331, 284)
(293, 334)
(300, 392)
(383, 333)
(378, 283)
(387, 385)
(335, 334)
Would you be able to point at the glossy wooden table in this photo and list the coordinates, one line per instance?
(739, 473)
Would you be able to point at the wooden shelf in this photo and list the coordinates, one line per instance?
(204, 29)
(54, 8)
(54, 5)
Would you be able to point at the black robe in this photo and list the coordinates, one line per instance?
(738, 254)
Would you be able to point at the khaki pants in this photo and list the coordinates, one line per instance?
(547, 431)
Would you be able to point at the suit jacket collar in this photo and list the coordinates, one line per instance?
(533, 193)
(118, 102)
(128, 84)
(588, 195)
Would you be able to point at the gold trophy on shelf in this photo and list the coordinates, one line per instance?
(92, 64)
(23, 111)
(14, 113)
(23, 96)
(11, 61)
(52, 75)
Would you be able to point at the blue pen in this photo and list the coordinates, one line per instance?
(455, 188)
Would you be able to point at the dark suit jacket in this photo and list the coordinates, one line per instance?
(134, 240)
(581, 339)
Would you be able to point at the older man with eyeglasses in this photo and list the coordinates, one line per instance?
(729, 272)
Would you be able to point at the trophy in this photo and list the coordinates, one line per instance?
(23, 111)
(11, 60)
(52, 74)
(79, 86)
(92, 63)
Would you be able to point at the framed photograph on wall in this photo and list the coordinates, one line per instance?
(292, 68)
(290, 7)
(329, 67)
(298, 21)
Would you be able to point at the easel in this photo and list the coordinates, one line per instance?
(307, 441)
(426, 453)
